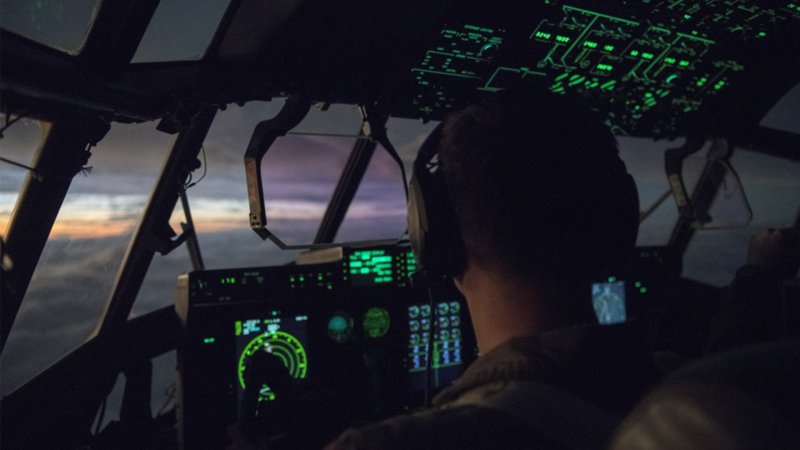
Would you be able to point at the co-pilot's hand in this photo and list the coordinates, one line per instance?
(777, 251)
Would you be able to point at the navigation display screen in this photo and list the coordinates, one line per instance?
(283, 337)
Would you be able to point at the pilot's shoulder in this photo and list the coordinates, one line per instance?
(458, 428)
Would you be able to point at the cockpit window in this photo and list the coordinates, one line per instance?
(644, 159)
(378, 210)
(60, 24)
(181, 30)
(219, 209)
(784, 115)
(17, 149)
(773, 187)
(77, 268)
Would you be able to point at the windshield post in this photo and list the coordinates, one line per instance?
(149, 236)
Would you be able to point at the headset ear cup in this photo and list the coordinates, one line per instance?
(433, 229)
(417, 220)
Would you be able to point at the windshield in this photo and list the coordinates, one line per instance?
(60, 24)
(77, 268)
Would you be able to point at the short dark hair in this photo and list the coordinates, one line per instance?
(538, 187)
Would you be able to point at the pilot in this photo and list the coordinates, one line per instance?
(522, 199)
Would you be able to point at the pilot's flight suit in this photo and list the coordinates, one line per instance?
(601, 368)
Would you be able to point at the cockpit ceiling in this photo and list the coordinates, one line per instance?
(647, 65)
(652, 68)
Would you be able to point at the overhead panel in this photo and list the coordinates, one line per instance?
(648, 65)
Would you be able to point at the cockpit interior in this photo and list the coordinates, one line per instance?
(187, 183)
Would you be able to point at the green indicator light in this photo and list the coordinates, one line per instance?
(762, 34)
(542, 35)
(608, 48)
(376, 322)
(607, 86)
(606, 67)
(612, 279)
(576, 80)
(670, 60)
(563, 39)
(684, 63)
(209, 340)
(238, 327)
(302, 278)
(719, 85)
(701, 81)
(590, 44)
(638, 284)
(274, 313)
(647, 55)
(687, 16)
(634, 52)
(643, 290)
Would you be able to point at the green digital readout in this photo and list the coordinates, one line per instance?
(370, 267)
(411, 262)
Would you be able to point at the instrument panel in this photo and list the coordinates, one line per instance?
(352, 327)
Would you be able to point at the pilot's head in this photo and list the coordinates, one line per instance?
(527, 184)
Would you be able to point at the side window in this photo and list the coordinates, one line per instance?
(60, 24)
(17, 148)
(773, 187)
(73, 279)
(644, 159)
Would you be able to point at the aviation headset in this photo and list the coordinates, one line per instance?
(433, 227)
(432, 224)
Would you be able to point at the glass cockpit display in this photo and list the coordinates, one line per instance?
(608, 301)
(283, 337)
(435, 335)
